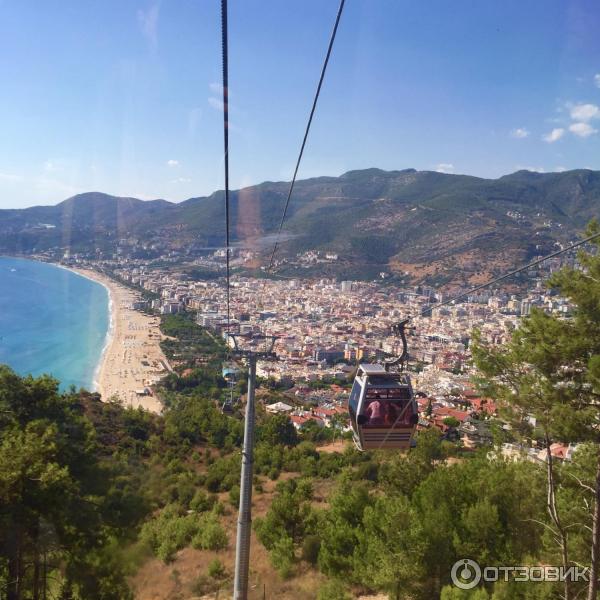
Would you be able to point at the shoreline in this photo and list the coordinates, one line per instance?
(107, 339)
(131, 359)
(109, 332)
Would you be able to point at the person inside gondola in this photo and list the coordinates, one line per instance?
(391, 413)
(397, 413)
(375, 412)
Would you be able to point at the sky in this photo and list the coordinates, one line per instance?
(124, 96)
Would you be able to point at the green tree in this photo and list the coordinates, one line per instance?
(290, 515)
(55, 495)
(403, 473)
(333, 590)
(170, 531)
(278, 430)
(390, 549)
(451, 422)
(453, 593)
(551, 369)
(339, 529)
(482, 531)
(282, 556)
(515, 590)
(211, 534)
(486, 507)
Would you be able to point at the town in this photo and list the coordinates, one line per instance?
(324, 328)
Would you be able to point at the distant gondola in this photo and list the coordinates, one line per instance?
(230, 371)
(382, 408)
(227, 407)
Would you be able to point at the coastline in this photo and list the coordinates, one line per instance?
(110, 332)
(109, 336)
(131, 359)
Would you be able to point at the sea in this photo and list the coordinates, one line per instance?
(52, 321)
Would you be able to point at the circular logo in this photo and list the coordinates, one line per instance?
(465, 574)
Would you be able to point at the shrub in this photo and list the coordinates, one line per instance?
(216, 570)
(451, 422)
(310, 549)
(234, 495)
(278, 430)
(282, 556)
(203, 585)
(218, 508)
(223, 474)
(185, 490)
(367, 471)
(169, 532)
(201, 502)
(211, 535)
(333, 590)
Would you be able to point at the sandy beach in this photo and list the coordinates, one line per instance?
(132, 360)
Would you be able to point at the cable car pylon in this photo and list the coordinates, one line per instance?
(244, 524)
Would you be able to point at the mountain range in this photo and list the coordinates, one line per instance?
(431, 225)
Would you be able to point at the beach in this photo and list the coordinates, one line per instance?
(132, 360)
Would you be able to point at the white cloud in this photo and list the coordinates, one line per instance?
(48, 186)
(584, 112)
(560, 169)
(215, 87)
(597, 79)
(181, 180)
(519, 133)
(148, 22)
(215, 103)
(582, 129)
(444, 168)
(10, 177)
(532, 169)
(554, 135)
(172, 163)
(50, 167)
(194, 119)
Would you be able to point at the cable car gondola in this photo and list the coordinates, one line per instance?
(382, 406)
(230, 371)
(230, 374)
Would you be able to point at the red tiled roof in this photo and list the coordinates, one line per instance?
(325, 412)
(486, 404)
(559, 450)
(300, 420)
(444, 412)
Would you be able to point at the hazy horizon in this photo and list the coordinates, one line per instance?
(152, 199)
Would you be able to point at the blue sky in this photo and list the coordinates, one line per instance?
(123, 96)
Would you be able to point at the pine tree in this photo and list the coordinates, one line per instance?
(551, 369)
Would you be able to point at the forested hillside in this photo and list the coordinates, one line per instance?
(439, 226)
(91, 492)
(102, 502)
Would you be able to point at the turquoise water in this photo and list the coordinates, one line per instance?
(51, 321)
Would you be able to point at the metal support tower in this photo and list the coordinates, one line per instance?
(242, 546)
(244, 528)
